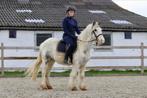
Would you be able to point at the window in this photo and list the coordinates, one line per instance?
(42, 37)
(23, 1)
(121, 22)
(12, 33)
(107, 40)
(128, 35)
(23, 11)
(97, 12)
(34, 20)
(108, 43)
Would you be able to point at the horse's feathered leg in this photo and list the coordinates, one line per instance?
(33, 70)
(81, 75)
(45, 73)
(73, 77)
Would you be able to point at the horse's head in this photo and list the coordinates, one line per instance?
(96, 33)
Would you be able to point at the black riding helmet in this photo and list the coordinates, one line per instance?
(70, 9)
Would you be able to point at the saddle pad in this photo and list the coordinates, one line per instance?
(61, 47)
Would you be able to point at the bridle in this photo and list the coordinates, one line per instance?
(96, 37)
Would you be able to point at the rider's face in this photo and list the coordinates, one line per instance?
(71, 13)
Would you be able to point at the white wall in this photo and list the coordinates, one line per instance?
(118, 40)
(23, 39)
(28, 38)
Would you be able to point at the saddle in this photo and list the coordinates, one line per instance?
(62, 47)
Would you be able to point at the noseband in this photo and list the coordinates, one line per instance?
(96, 36)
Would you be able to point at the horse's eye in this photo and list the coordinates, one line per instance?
(95, 30)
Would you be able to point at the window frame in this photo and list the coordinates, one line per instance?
(11, 36)
(128, 36)
(105, 47)
(35, 44)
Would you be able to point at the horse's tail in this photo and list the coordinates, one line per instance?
(34, 69)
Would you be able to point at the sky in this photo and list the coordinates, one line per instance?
(137, 6)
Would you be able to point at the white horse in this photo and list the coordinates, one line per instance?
(49, 55)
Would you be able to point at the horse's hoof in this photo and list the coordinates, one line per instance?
(46, 87)
(43, 87)
(83, 88)
(74, 89)
(49, 87)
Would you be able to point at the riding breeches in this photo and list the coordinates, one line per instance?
(71, 46)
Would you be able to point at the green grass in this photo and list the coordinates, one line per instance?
(88, 73)
(14, 74)
(113, 72)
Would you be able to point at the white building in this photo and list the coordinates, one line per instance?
(26, 23)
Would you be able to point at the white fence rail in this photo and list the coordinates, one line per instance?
(141, 57)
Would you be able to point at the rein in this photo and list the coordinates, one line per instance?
(96, 37)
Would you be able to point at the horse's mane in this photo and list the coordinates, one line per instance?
(84, 32)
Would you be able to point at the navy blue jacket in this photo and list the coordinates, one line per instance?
(70, 27)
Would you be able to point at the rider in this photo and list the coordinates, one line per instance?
(70, 27)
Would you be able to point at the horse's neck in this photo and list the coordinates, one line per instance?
(85, 36)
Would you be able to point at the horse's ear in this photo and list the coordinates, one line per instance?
(93, 24)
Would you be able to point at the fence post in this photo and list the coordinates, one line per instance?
(2, 58)
(142, 58)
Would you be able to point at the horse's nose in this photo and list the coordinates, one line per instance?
(103, 41)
